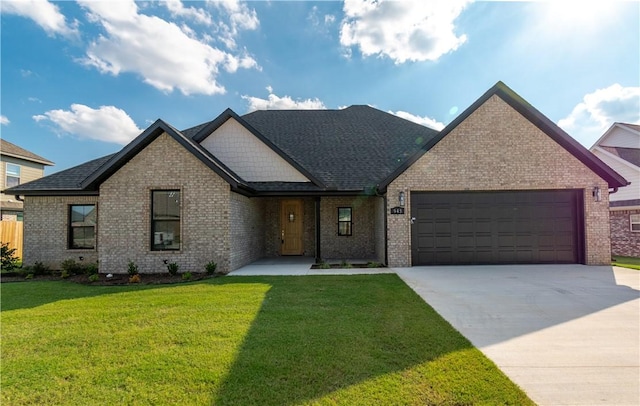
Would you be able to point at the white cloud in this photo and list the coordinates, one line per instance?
(47, 15)
(4, 120)
(402, 30)
(425, 121)
(177, 9)
(240, 18)
(107, 123)
(165, 55)
(273, 102)
(590, 118)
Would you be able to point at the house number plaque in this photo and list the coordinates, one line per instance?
(397, 210)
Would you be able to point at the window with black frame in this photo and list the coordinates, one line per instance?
(345, 221)
(82, 226)
(165, 220)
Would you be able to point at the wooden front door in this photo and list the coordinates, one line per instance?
(291, 227)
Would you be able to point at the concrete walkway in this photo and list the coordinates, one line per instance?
(566, 334)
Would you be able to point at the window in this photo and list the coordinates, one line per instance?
(82, 226)
(13, 175)
(634, 219)
(165, 220)
(344, 221)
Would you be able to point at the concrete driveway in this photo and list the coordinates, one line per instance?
(566, 334)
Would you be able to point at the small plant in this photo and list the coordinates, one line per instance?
(93, 277)
(374, 264)
(132, 268)
(211, 268)
(173, 268)
(134, 278)
(324, 265)
(72, 267)
(65, 274)
(9, 259)
(39, 268)
(29, 276)
(344, 264)
(186, 276)
(91, 269)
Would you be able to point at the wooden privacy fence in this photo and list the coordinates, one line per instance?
(12, 232)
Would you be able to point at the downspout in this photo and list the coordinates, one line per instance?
(318, 254)
(18, 198)
(615, 189)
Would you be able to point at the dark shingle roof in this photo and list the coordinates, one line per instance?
(349, 149)
(67, 180)
(631, 155)
(10, 149)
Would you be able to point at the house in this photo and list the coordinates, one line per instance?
(17, 166)
(501, 184)
(619, 147)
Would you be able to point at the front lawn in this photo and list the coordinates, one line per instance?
(626, 262)
(331, 340)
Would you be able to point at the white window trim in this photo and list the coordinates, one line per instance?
(632, 222)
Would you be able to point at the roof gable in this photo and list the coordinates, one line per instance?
(119, 159)
(620, 135)
(536, 118)
(249, 156)
(9, 149)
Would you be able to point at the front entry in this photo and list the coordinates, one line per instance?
(291, 227)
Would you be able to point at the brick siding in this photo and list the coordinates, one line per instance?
(46, 229)
(496, 148)
(125, 218)
(624, 242)
(362, 243)
(247, 230)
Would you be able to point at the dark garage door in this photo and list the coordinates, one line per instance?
(514, 227)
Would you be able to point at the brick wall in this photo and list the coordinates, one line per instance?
(496, 148)
(247, 230)
(125, 218)
(46, 225)
(623, 241)
(360, 245)
(379, 230)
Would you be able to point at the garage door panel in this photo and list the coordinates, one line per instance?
(496, 227)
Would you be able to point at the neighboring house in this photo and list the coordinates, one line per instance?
(619, 147)
(17, 166)
(501, 184)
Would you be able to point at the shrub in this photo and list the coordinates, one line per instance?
(92, 269)
(39, 268)
(134, 278)
(64, 274)
(211, 268)
(93, 277)
(71, 267)
(173, 268)
(374, 264)
(345, 265)
(132, 268)
(9, 259)
(29, 276)
(186, 276)
(325, 265)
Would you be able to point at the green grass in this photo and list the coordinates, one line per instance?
(316, 340)
(626, 262)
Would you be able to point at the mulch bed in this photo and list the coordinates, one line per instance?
(116, 279)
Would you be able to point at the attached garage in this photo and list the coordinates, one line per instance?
(502, 227)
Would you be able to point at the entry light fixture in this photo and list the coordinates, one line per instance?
(401, 198)
(292, 217)
(596, 194)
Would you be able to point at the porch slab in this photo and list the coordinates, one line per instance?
(296, 265)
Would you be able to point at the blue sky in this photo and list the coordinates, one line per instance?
(81, 79)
